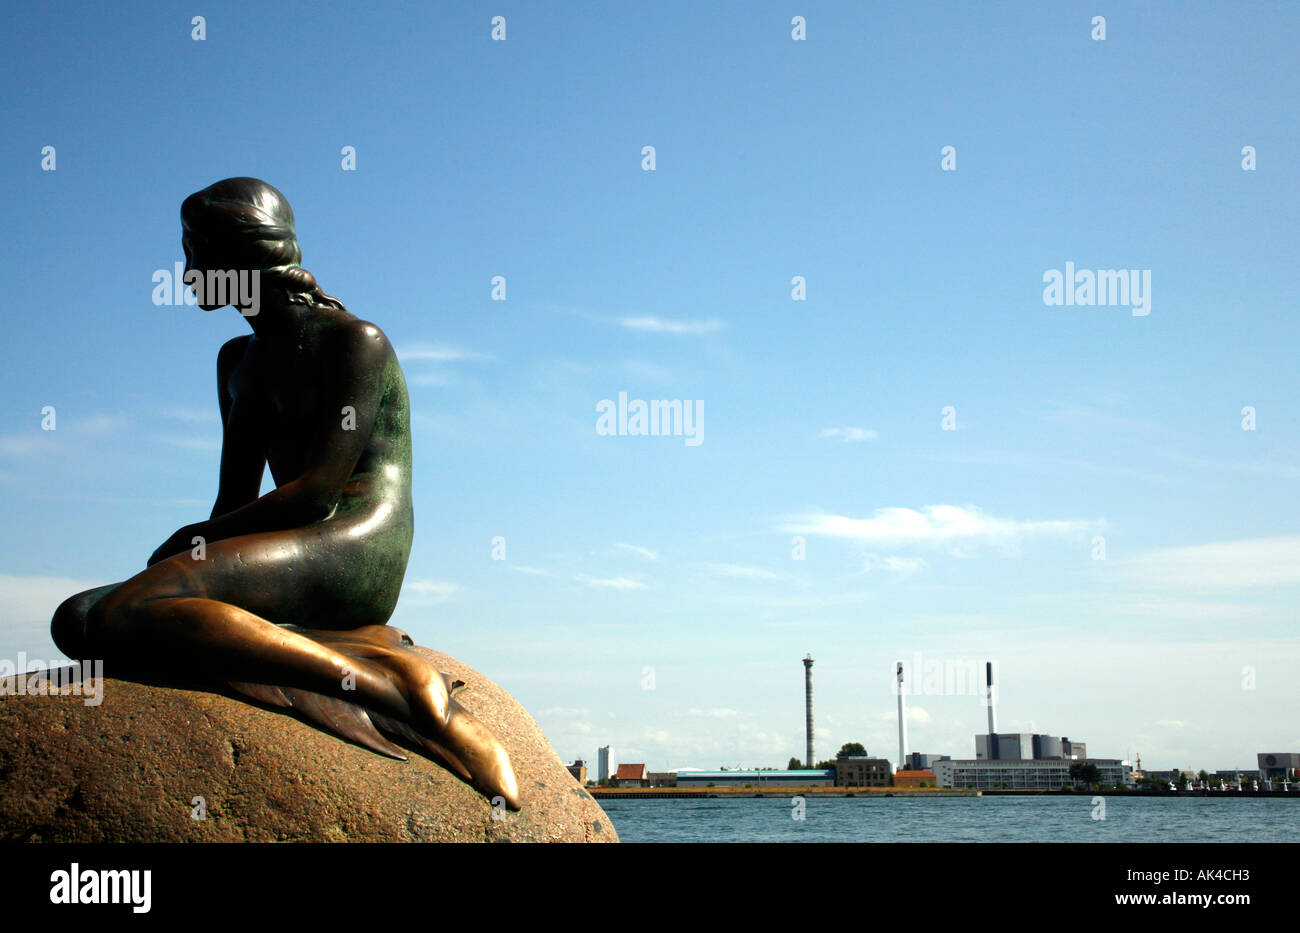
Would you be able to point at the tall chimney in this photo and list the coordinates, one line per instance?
(989, 699)
(807, 685)
(902, 719)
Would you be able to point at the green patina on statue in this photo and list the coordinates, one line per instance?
(287, 596)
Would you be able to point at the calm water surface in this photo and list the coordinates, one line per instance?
(955, 819)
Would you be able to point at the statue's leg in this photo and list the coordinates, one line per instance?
(213, 617)
(68, 627)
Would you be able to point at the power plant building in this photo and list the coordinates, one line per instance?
(1021, 746)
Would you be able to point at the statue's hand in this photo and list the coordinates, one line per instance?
(180, 541)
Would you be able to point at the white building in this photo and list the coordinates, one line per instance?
(604, 763)
(1025, 774)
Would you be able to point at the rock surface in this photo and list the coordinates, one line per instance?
(129, 769)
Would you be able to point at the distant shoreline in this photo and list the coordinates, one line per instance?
(659, 793)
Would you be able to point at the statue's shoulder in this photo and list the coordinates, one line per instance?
(363, 335)
(232, 352)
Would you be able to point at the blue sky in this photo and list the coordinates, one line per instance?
(641, 561)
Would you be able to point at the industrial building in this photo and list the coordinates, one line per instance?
(919, 761)
(814, 777)
(1026, 774)
(1279, 765)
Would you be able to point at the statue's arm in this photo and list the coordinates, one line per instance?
(243, 446)
(348, 407)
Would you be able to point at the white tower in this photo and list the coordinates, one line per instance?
(902, 718)
(989, 698)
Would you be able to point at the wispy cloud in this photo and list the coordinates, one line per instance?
(435, 591)
(718, 712)
(192, 415)
(28, 599)
(1242, 564)
(850, 435)
(741, 571)
(894, 564)
(191, 442)
(932, 525)
(530, 571)
(638, 551)
(439, 354)
(609, 583)
(652, 324)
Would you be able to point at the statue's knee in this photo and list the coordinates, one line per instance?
(68, 626)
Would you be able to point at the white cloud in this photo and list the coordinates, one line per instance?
(895, 564)
(1171, 723)
(932, 525)
(192, 443)
(650, 372)
(639, 551)
(1242, 564)
(23, 445)
(916, 715)
(609, 583)
(658, 325)
(715, 713)
(566, 711)
(531, 571)
(99, 424)
(439, 354)
(742, 571)
(658, 736)
(193, 415)
(850, 435)
(31, 599)
(437, 591)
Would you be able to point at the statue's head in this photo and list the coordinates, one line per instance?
(245, 225)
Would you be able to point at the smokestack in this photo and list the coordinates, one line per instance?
(807, 686)
(989, 698)
(902, 719)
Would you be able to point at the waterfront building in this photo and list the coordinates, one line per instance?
(663, 778)
(1278, 765)
(1025, 773)
(918, 761)
(632, 775)
(859, 771)
(579, 770)
(604, 763)
(808, 777)
(916, 778)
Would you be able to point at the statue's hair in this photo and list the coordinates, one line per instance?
(249, 225)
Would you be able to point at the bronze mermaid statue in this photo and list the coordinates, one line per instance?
(286, 596)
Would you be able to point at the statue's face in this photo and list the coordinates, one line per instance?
(197, 260)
